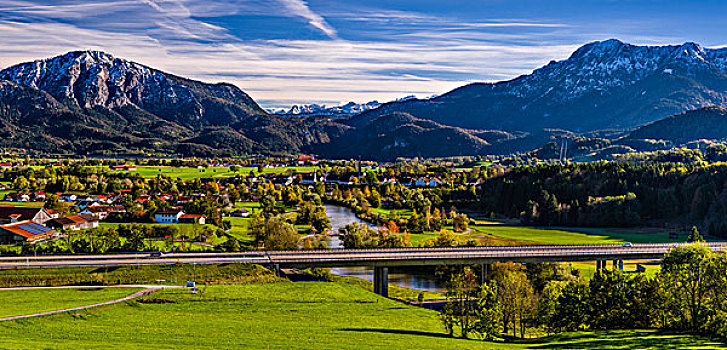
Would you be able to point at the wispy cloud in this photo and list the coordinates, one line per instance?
(375, 53)
(301, 8)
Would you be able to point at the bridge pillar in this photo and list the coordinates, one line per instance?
(621, 265)
(615, 264)
(598, 266)
(381, 281)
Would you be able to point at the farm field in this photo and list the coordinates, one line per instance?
(304, 315)
(22, 302)
(574, 235)
(186, 173)
(540, 235)
(512, 233)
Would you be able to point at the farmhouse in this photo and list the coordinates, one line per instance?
(24, 231)
(73, 223)
(9, 215)
(99, 212)
(192, 219)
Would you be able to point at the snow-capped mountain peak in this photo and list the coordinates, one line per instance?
(345, 110)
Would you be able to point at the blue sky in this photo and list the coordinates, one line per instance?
(322, 51)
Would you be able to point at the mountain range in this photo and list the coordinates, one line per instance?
(312, 110)
(91, 103)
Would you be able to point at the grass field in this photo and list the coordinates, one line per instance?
(635, 235)
(144, 274)
(404, 213)
(304, 315)
(541, 235)
(185, 173)
(22, 302)
(22, 204)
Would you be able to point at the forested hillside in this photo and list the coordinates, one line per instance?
(612, 194)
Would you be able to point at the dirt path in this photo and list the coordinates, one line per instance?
(148, 289)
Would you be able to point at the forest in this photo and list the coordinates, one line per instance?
(616, 194)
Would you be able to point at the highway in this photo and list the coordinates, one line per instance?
(362, 257)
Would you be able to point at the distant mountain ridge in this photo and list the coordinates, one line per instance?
(345, 110)
(709, 123)
(90, 102)
(602, 85)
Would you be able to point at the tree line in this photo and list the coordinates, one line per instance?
(611, 194)
(688, 294)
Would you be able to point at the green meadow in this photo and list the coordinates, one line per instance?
(187, 173)
(22, 302)
(303, 315)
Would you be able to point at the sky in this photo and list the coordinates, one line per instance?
(284, 52)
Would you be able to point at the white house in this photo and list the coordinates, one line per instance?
(168, 216)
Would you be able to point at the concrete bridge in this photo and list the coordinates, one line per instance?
(379, 259)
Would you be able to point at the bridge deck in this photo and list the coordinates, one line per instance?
(363, 257)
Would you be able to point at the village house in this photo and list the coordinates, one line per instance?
(99, 212)
(24, 231)
(302, 160)
(10, 215)
(192, 219)
(428, 182)
(67, 197)
(73, 223)
(168, 215)
(17, 197)
(81, 204)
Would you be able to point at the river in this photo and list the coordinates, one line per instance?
(414, 278)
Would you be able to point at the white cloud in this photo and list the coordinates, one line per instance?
(172, 35)
(301, 8)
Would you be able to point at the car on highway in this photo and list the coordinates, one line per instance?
(627, 245)
(156, 254)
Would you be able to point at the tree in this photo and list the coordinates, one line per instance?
(320, 221)
(489, 312)
(694, 235)
(460, 313)
(257, 228)
(445, 238)
(20, 183)
(620, 301)
(460, 222)
(571, 312)
(354, 235)
(232, 244)
(518, 300)
(549, 302)
(280, 235)
(686, 272)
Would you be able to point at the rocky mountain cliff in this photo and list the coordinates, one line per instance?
(91, 102)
